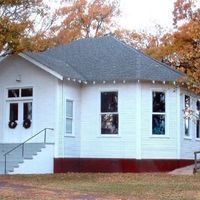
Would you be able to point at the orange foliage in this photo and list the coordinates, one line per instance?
(18, 31)
(181, 48)
(86, 19)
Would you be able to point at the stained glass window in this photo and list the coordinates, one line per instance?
(109, 113)
(158, 102)
(109, 101)
(158, 113)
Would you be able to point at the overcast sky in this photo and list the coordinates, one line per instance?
(142, 14)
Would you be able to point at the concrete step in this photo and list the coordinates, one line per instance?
(10, 146)
(14, 158)
(188, 170)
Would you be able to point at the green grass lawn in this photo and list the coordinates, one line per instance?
(100, 186)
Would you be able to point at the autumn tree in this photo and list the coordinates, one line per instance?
(184, 43)
(23, 25)
(85, 19)
(180, 48)
(184, 11)
(132, 38)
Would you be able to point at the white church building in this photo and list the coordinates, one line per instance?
(95, 105)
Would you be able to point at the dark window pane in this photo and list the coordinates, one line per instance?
(187, 127)
(187, 101)
(158, 102)
(109, 124)
(158, 124)
(109, 101)
(198, 129)
(13, 111)
(27, 92)
(198, 105)
(13, 93)
(28, 110)
(198, 119)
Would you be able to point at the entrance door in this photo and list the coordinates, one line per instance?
(18, 120)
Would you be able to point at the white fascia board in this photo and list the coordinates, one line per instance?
(3, 58)
(45, 68)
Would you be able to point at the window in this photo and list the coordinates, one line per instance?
(22, 92)
(109, 113)
(27, 111)
(69, 116)
(158, 113)
(187, 119)
(13, 112)
(13, 93)
(27, 92)
(20, 105)
(198, 119)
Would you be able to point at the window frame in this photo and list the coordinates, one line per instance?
(20, 93)
(197, 124)
(109, 113)
(19, 99)
(189, 136)
(9, 118)
(166, 135)
(28, 101)
(70, 118)
(23, 88)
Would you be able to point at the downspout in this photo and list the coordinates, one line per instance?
(179, 138)
(62, 114)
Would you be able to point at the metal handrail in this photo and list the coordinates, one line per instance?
(196, 162)
(22, 145)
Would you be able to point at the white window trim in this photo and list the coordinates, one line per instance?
(166, 135)
(100, 135)
(187, 137)
(71, 134)
(18, 98)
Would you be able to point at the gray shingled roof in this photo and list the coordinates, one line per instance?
(104, 59)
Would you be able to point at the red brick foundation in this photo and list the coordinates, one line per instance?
(62, 165)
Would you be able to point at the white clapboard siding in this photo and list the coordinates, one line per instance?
(72, 142)
(134, 108)
(93, 144)
(44, 97)
(190, 144)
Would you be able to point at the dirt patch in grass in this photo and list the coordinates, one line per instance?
(100, 186)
